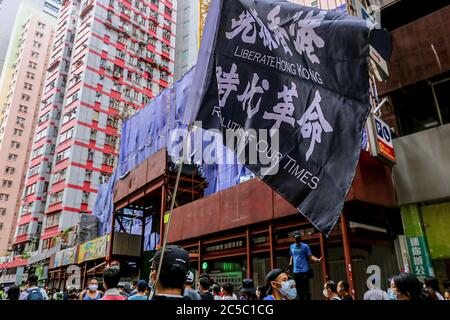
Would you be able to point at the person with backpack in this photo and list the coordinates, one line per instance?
(33, 292)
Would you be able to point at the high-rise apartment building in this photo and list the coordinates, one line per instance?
(29, 51)
(108, 59)
(187, 40)
(8, 12)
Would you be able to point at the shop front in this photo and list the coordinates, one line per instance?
(246, 230)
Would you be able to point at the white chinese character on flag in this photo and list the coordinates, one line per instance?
(247, 97)
(283, 111)
(245, 25)
(313, 123)
(305, 35)
(226, 83)
(279, 33)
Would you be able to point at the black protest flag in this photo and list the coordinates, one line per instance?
(299, 73)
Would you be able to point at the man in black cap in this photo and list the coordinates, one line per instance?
(174, 268)
(301, 256)
(248, 290)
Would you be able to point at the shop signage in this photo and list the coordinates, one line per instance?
(380, 139)
(420, 260)
(93, 249)
(65, 257)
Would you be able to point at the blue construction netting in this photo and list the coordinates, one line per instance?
(150, 130)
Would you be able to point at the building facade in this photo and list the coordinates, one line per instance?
(29, 49)
(419, 92)
(108, 59)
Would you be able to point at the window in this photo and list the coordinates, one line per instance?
(15, 144)
(111, 140)
(30, 189)
(87, 175)
(102, 63)
(18, 132)
(60, 156)
(30, 75)
(12, 157)
(112, 121)
(6, 183)
(56, 197)
(39, 34)
(34, 170)
(44, 117)
(22, 229)
(36, 44)
(85, 197)
(20, 121)
(52, 219)
(2, 211)
(70, 115)
(25, 97)
(422, 106)
(10, 170)
(32, 65)
(27, 208)
(108, 159)
(59, 175)
(37, 152)
(41, 25)
(4, 197)
(66, 135)
(41, 134)
(72, 98)
(95, 115)
(93, 135)
(23, 109)
(34, 54)
(90, 155)
(1, 226)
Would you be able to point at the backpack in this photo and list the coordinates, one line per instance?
(35, 294)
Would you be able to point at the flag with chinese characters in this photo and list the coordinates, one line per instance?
(298, 73)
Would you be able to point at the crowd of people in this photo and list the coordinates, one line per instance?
(176, 282)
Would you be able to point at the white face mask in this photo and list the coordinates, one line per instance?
(93, 287)
(325, 293)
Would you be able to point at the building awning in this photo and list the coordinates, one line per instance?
(13, 264)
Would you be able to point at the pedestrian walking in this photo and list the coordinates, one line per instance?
(173, 271)
(300, 258)
(13, 293)
(343, 291)
(111, 278)
(407, 287)
(73, 293)
(261, 292)
(433, 283)
(279, 287)
(330, 290)
(134, 288)
(33, 292)
(92, 292)
(141, 286)
(227, 292)
(188, 290)
(203, 287)
(248, 290)
(216, 292)
(124, 289)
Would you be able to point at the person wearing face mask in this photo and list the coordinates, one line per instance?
(279, 287)
(406, 287)
(330, 291)
(92, 292)
(390, 291)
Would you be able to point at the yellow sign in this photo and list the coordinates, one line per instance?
(93, 249)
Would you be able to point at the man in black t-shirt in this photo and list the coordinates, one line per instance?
(204, 284)
(174, 268)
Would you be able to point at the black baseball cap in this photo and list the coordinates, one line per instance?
(175, 259)
(297, 234)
